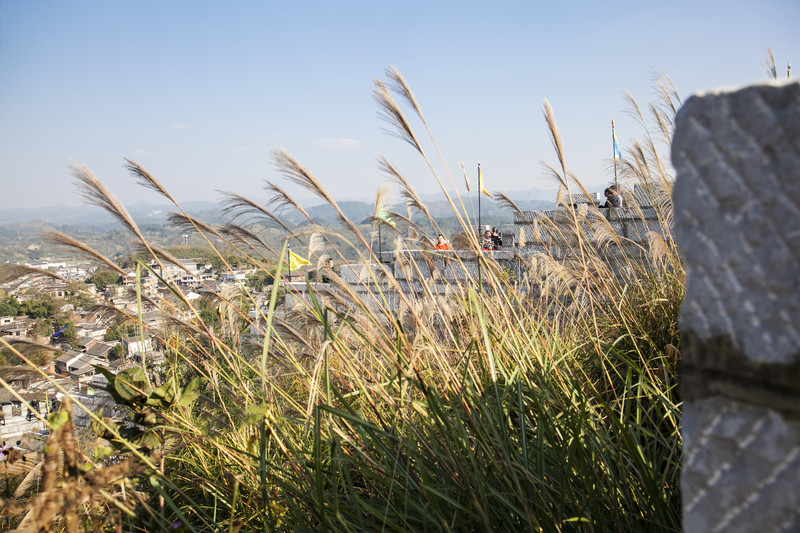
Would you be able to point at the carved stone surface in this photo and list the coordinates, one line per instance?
(737, 217)
(737, 222)
(741, 468)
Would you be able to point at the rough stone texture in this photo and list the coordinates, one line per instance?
(741, 468)
(737, 222)
(737, 207)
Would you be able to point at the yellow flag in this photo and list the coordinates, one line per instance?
(295, 261)
(480, 184)
(384, 215)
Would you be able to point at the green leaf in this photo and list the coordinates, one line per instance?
(149, 441)
(110, 388)
(106, 372)
(58, 419)
(165, 395)
(101, 451)
(131, 385)
(147, 417)
(99, 427)
(191, 392)
(255, 413)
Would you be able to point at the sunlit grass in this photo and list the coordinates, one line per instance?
(541, 403)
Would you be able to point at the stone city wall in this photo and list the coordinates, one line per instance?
(737, 222)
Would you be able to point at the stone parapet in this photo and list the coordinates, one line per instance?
(737, 223)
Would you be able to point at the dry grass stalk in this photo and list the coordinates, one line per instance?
(66, 486)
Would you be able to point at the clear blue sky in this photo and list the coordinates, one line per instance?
(199, 93)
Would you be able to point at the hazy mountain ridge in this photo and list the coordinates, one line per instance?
(211, 212)
(20, 228)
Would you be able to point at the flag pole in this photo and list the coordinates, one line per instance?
(288, 285)
(480, 228)
(614, 151)
(289, 263)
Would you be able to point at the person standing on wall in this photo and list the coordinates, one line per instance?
(613, 198)
(497, 240)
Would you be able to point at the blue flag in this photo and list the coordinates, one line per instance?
(617, 153)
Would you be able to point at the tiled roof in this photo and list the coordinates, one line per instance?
(100, 349)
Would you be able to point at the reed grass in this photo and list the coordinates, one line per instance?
(545, 402)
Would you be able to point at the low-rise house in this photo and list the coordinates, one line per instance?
(48, 265)
(232, 276)
(153, 319)
(85, 373)
(29, 390)
(19, 328)
(187, 272)
(75, 272)
(136, 345)
(86, 342)
(20, 378)
(100, 350)
(124, 303)
(145, 279)
(78, 366)
(91, 329)
(69, 362)
(63, 362)
(56, 290)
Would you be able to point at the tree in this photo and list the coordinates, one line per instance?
(119, 332)
(104, 278)
(38, 308)
(116, 352)
(42, 329)
(80, 300)
(41, 357)
(71, 333)
(66, 332)
(8, 358)
(9, 306)
(260, 280)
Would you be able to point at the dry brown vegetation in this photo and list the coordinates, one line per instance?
(542, 402)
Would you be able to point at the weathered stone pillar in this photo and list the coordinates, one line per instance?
(737, 222)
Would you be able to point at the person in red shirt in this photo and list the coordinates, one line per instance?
(487, 243)
(441, 243)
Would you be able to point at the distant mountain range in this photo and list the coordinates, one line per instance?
(210, 212)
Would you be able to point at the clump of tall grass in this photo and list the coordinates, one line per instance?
(407, 398)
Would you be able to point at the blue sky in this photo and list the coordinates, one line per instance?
(200, 93)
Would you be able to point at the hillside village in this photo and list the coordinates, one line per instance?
(92, 337)
(104, 333)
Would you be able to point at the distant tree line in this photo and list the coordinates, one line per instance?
(41, 307)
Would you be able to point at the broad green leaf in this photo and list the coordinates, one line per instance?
(131, 384)
(191, 392)
(256, 413)
(165, 395)
(149, 441)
